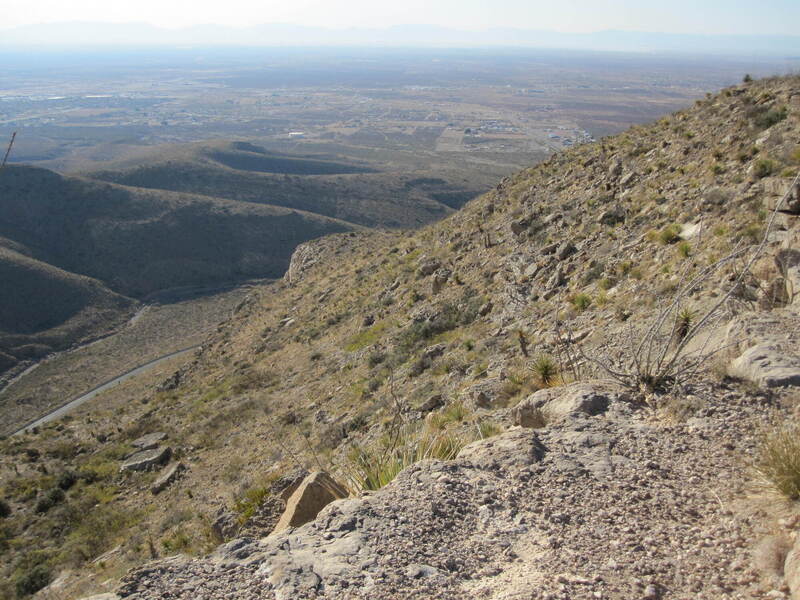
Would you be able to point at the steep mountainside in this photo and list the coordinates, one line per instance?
(243, 171)
(492, 325)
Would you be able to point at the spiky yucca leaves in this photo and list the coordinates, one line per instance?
(373, 468)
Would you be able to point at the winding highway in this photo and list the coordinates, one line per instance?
(65, 408)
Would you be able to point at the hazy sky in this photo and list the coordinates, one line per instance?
(673, 16)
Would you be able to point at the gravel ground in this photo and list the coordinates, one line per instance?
(617, 505)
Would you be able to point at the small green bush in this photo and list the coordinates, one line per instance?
(32, 581)
(582, 301)
(764, 167)
(546, 370)
(51, 497)
(669, 234)
(371, 469)
(771, 117)
(66, 480)
(684, 249)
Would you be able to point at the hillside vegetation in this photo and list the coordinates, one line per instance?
(443, 334)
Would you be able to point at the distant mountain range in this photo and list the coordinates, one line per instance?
(141, 34)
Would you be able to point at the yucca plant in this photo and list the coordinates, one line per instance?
(546, 370)
(373, 468)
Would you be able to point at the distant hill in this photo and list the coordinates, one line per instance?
(43, 308)
(242, 171)
(74, 253)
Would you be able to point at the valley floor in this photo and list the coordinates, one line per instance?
(154, 332)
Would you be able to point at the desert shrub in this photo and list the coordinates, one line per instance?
(66, 480)
(778, 461)
(606, 283)
(669, 234)
(582, 301)
(450, 316)
(684, 249)
(487, 429)
(767, 119)
(50, 498)
(453, 413)
(764, 167)
(375, 358)
(686, 317)
(178, 541)
(32, 580)
(247, 505)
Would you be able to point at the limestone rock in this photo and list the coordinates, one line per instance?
(144, 460)
(440, 278)
(149, 441)
(428, 266)
(226, 525)
(170, 474)
(317, 491)
(791, 570)
(767, 365)
(484, 394)
(612, 216)
(513, 448)
(520, 226)
(303, 258)
(560, 403)
(565, 250)
(764, 347)
(432, 403)
(776, 188)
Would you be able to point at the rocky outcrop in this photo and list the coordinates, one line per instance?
(169, 475)
(764, 348)
(791, 570)
(147, 459)
(561, 403)
(149, 441)
(317, 491)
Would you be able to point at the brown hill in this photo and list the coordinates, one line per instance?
(241, 171)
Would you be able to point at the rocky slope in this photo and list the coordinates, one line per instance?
(640, 493)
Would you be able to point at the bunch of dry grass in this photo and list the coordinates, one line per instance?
(778, 461)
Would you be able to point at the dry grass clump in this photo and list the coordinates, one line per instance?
(373, 468)
(778, 461)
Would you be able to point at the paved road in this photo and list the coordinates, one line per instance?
(62, 410)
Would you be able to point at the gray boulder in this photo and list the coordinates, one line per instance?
(516, 448)
(149, 441)
(170, 474)
(147, 459)
(561, 403)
